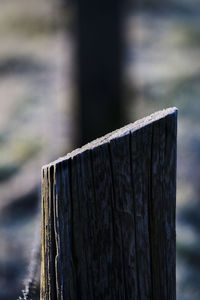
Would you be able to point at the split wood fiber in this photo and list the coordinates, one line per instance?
(108, 216)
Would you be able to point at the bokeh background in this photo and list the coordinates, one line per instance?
(41, 109)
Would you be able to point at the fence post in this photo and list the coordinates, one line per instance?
(99, 66)
(108, 216)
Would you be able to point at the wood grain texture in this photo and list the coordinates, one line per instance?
(108, 216)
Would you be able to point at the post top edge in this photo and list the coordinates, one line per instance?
(132, 127)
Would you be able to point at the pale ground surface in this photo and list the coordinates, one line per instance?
(36, 126)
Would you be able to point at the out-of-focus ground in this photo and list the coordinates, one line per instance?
(37, 116)
(36, 123)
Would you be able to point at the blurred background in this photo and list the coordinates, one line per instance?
(72, 70)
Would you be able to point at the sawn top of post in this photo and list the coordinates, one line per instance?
(118, 133)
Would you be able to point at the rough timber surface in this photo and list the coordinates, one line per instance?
(108, 216)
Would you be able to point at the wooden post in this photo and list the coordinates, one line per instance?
(99, 61)
(108, 216)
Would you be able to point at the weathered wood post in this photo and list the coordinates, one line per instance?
(108, 216)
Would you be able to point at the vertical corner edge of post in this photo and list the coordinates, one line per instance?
(175, 111)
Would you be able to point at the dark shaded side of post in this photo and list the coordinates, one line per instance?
(108, 216)
(99, 55)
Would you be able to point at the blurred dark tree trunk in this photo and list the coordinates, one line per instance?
(99, 52)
